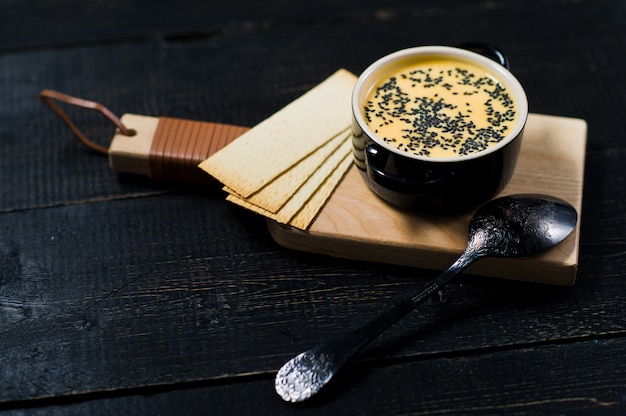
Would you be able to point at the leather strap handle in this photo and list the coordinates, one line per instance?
(49, 96)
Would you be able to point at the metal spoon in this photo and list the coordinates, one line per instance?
(511, 226)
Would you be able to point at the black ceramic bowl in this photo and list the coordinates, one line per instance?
(449, 183)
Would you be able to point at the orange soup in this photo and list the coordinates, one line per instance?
(440, 108)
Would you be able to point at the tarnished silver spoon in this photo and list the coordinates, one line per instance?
(511, 226)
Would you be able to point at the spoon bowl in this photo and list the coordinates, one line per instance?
(510, 226)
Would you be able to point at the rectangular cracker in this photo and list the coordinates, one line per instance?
(279, 142)
(277, 193)
(309, 211)
(320, 184)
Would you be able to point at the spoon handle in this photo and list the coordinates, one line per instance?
(304, 375)
(353, 341)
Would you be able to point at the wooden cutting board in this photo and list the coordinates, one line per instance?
(356, 224)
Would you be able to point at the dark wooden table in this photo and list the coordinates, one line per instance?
(119, 295)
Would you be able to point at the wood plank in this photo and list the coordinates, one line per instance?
(578, 378)
(358, 225)
(151, 79)
(325, 293)
(129, 293)
(562, 379)
(205, 305)
(37, 23)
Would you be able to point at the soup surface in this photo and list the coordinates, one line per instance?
(440, 108)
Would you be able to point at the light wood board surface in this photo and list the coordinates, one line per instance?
(356, 224)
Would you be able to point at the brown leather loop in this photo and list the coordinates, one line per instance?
(47, 97)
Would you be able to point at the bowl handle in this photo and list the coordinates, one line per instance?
(488, 50)
(377, 170)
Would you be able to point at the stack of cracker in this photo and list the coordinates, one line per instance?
(286, 167)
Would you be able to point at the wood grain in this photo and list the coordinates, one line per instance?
(132, 154)
(358, 225)
(119, 295)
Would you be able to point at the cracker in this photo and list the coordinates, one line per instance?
(312, 194)
(275, 194)
(309, 211)
(300, 198)
(276, 144)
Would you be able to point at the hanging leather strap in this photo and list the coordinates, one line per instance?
(49, 96)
